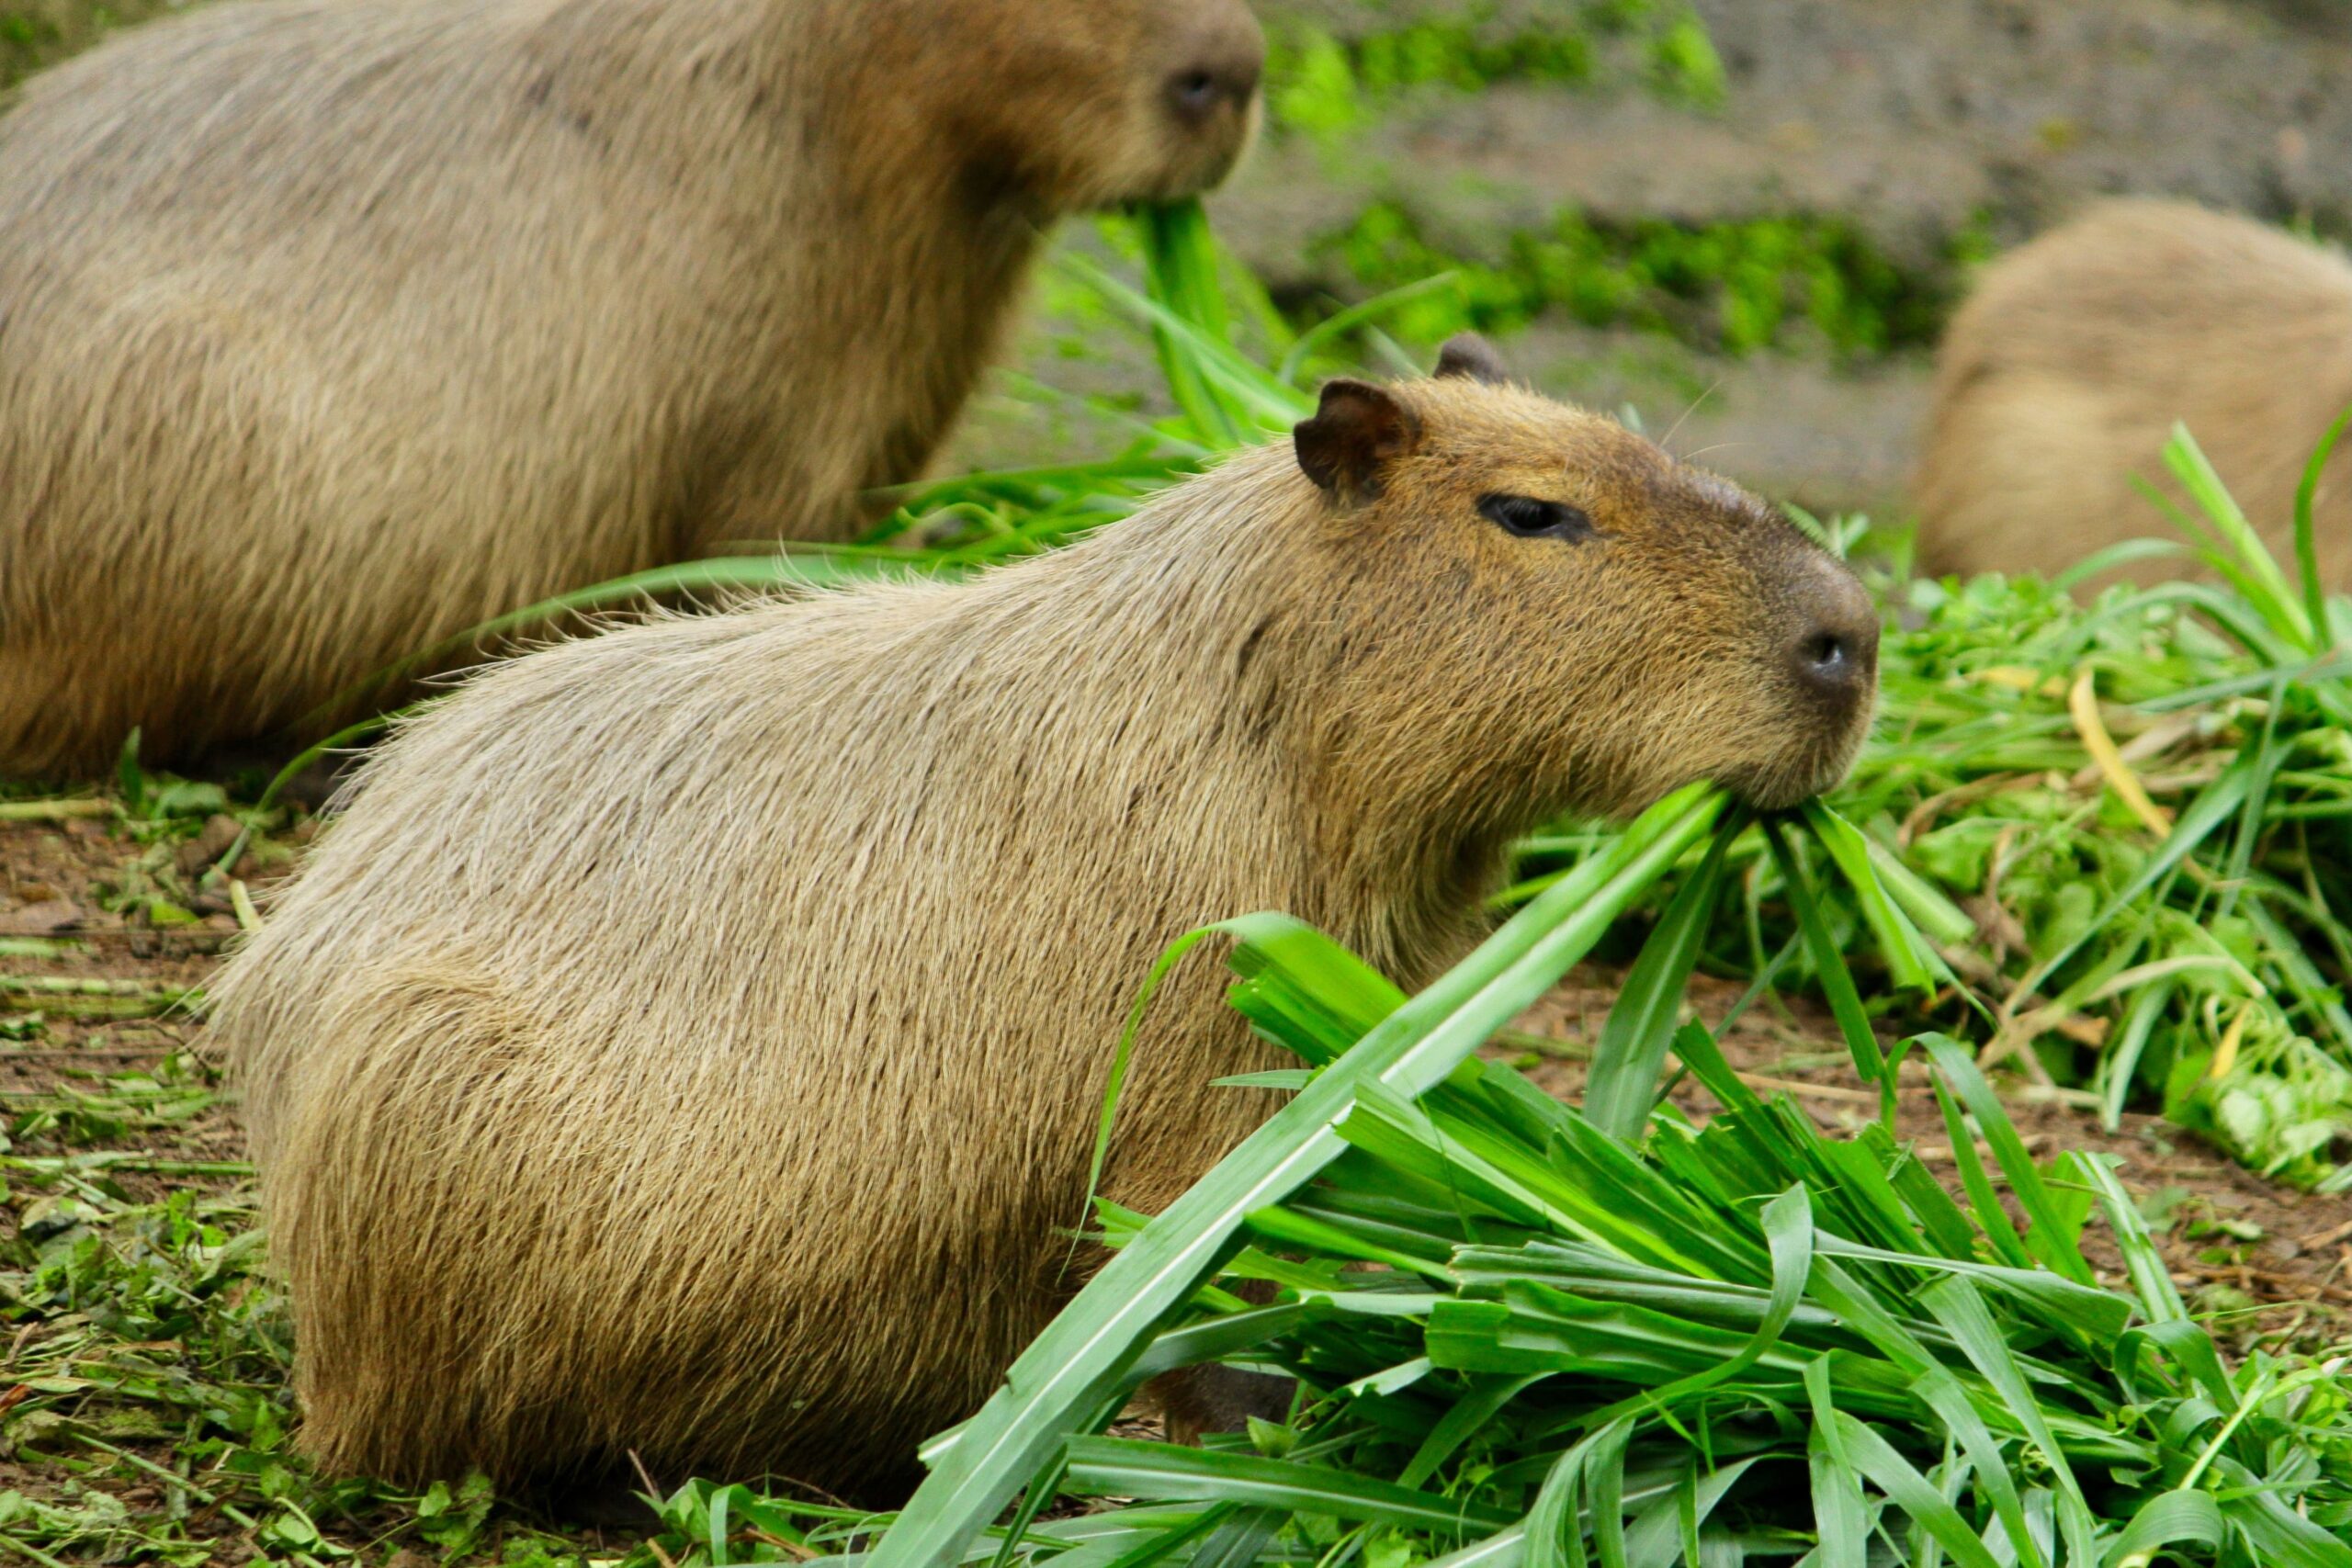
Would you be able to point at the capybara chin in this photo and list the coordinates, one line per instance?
(2061, 377)
(690, 1041)
(331, 328)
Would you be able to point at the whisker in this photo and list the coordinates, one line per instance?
(1667, 439)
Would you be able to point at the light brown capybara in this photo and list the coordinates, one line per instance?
(331, 328)
(690, 1040)
(2064, 375)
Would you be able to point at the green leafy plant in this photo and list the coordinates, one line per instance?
(1734, 287)
(1325, 86)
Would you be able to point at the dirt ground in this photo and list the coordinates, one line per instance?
(108, 1089)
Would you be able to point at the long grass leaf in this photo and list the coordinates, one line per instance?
(1639, 1029)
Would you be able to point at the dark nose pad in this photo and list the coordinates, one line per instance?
(1221, 68)
(1200, 93)
(1835, 650)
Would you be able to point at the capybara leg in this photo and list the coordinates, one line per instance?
(1194, 1400)
(612, 1501)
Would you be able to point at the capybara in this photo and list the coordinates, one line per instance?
(691, 1040)
(2061, 377)
(333, 328)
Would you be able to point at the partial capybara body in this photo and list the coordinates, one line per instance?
(2064, 375)
(331, 328)
(690, 1042)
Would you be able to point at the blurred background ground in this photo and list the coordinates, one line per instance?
(1844, 154)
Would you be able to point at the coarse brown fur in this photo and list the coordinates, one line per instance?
(2061, 377)
(331, 328)
(690, 1041)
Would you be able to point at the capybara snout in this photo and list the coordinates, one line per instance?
(690, 1042)
(1828, 630)
(1832, 636)
(1172, 126)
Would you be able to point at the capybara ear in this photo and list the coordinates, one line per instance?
(1357, 433)
(1468, 357)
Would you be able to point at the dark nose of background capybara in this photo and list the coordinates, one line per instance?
(1224, 65)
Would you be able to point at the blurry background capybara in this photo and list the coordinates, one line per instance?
(691, 1040)
(330, 329)
(2063, 377)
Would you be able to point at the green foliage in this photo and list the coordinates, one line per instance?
(1325, 86)
(35, 34)
(1734, 287)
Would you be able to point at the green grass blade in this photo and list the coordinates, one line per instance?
(1829, 964)
(2169, 1519)
(1640, 1027)
(1127, 1467)
(2306, 537)
(1910, 1491)
(2048, 1235)
(2258, 574)
(1839, 1510)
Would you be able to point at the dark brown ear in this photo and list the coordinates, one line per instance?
(1357, 433)
(1472, 358)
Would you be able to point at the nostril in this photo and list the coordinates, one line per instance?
(1197, 93)
(1836, 659)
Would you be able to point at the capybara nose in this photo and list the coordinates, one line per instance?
(1836, 649)
(1221, 70)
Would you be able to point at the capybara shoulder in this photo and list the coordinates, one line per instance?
(690, 1041)
(328, 331)
(2064, 373)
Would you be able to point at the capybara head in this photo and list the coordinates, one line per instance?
(1095, 103)
(1566, 599)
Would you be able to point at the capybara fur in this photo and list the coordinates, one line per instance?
(691, 1040)
(331, 328)
(2063, 377)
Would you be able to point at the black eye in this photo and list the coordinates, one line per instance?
(1533, 519)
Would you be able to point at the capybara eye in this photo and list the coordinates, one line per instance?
(1530, 518)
